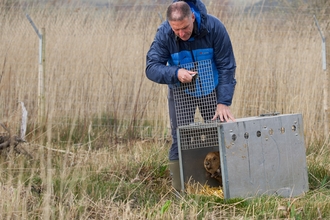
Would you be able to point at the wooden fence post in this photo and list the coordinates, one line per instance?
(41, 82)
(327, 79)
(41, 72)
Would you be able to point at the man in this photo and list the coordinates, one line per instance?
(191, 35)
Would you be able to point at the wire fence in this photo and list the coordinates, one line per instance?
(94, 61)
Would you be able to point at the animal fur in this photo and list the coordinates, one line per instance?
(212, 165)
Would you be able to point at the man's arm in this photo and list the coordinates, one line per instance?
(226, 66)
(157, 69)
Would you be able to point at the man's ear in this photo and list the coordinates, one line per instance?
(193, 16)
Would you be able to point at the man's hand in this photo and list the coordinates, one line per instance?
(223, 112)
(185, 76)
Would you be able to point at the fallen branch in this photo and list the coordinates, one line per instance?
(8, 140)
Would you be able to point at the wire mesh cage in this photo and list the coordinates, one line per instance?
(197, 96)
(195, 106)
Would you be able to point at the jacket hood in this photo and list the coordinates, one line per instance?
(197, 3)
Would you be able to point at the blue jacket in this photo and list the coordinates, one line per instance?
(210, 40)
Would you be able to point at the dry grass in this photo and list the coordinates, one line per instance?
(131, 181)
(95, 62)
(97, 93)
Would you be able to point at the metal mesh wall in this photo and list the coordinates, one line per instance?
(197, 94)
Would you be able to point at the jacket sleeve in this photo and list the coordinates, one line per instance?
(158, 55)
(226, 65)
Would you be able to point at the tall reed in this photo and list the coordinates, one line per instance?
(95, 61)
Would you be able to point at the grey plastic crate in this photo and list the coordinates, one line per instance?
(259, 155)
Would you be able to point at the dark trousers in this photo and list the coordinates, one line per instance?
(182, 108)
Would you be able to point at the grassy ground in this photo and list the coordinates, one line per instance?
(83, 166)
(130, 180)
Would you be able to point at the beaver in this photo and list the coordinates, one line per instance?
(212, 165)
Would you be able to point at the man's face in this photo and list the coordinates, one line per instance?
(183, 29)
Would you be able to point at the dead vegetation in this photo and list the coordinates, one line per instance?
(13, 142)
(9, 142)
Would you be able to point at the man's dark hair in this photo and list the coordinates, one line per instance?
(178, 11)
